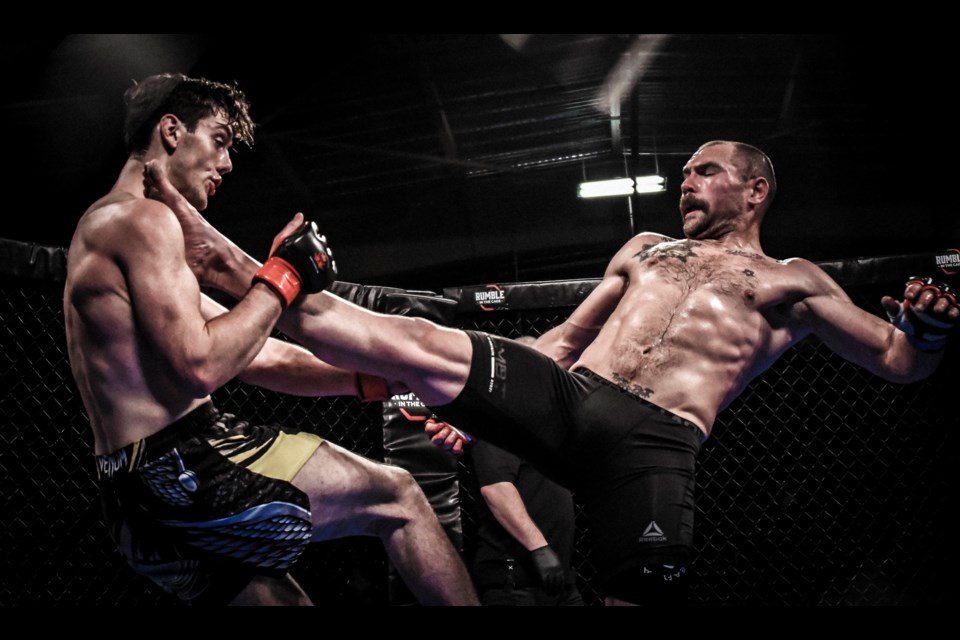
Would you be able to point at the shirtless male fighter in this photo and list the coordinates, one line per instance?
(616, 401)
(209, 507)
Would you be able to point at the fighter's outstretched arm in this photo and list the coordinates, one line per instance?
(867, 340)
(565, 342)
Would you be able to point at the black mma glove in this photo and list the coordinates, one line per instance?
(925, 332)
(302, 262)
(553, 577)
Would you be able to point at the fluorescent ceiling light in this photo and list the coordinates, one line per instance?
(622, 186)
(602, 188)
(651, 184)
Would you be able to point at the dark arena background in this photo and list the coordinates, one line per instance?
(442, 166)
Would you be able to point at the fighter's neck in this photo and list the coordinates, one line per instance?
(747, 240)
(130, 179)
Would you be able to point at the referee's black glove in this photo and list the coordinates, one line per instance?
(550, 569)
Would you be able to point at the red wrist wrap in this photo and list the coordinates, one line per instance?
(281, 277)
(371, 388)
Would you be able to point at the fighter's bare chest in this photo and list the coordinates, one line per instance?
(688, 268)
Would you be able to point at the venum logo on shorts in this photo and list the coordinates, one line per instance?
(653, 533)
(948, 261)
(491, 299)
(108, 465)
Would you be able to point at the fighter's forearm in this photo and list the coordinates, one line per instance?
(869, 341)
(288, 368)
(228, 342)
(902, 362)
(237, 275)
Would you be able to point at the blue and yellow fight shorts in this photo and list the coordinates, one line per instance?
(207, 503)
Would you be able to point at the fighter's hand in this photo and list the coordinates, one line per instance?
(300, 262)
(206, 248)
(447, 437)
(928, 312)
(295, 223)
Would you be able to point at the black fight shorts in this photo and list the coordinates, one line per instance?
(205, 504)
(630, 462)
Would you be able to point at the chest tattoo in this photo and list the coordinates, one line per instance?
(747, 254)
(682, 251)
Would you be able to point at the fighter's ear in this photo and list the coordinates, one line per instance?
(759, 190)
(170, 127)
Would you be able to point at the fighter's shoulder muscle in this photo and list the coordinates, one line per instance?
(806, 285)
(118, 225)
(640, 242)
(647, 239)
(810, 277)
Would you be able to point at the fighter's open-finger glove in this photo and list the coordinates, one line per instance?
(302, 262)
(924, 331)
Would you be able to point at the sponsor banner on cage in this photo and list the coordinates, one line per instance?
(409, 406)
(490, 298)
(948, 261)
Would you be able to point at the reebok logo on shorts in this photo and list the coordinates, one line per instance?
(653, 533)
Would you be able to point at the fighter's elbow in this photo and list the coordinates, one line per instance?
(199, 379)
(908, 370)
(200, 387)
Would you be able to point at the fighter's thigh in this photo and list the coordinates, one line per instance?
(351, 495)
(434, 361)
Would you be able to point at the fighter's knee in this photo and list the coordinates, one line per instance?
(400, 501)
(404, 488)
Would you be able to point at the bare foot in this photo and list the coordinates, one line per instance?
(208, 251)
(212, 257)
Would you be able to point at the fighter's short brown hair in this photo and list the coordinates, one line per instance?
(190, 99)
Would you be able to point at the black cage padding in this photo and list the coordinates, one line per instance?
(32, 261)
(553, 294)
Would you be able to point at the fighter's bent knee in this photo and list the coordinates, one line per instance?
(401, 500)
(403, 486)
